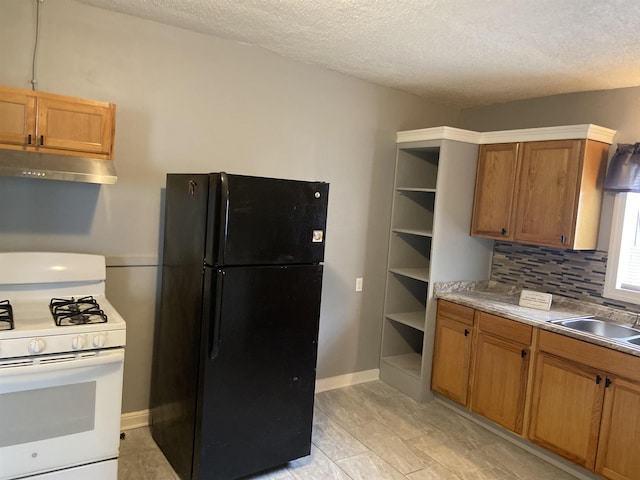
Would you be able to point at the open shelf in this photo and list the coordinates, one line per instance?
(417, 167)
(420, 274)
(410, 252)
(414, 231)
(419, 190)
(413, 210)
(411, 319)
(409, 363)
(405, 294)
(402, 345)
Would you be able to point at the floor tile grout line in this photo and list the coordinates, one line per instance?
(443, 429)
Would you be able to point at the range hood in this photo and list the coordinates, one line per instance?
(46, 166)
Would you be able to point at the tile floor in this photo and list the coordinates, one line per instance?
(373, 432)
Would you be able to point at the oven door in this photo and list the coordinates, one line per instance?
(59, 411)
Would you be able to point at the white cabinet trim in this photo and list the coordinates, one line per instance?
(566, 132)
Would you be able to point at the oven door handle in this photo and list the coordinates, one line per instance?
(61, 362)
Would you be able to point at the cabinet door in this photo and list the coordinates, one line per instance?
(620, 432)
(75, 125)
(547, 193)
(496, 179)
(451, 359)
(17, 117)
(567, 407)
(500, 381)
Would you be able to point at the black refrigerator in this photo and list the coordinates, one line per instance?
(235, 344)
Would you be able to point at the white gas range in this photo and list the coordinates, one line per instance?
(61, 364)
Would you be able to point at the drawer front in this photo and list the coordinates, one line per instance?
(503, 327)
(595, 356)
(455, 312)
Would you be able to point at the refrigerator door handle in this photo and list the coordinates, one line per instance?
(215, 327)
(224, 216)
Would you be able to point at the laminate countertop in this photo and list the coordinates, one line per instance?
(502, 300)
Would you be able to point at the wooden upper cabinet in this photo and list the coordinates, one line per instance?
(496, 179)
(556, 192)
(79, 125)
(17, 117)
(547, 189)
(48, 123)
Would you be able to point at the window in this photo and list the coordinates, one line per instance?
(622, 280)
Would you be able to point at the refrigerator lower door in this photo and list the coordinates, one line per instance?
(259, 375)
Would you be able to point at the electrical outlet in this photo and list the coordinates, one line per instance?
(359, 284)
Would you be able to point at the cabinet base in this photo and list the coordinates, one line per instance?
(402, 379)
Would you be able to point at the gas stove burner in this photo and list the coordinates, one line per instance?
(69, 311)
(6, 315)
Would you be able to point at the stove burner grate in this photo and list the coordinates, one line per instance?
(67, 312)
(6, 315)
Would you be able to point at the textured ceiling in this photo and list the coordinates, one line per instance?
(458, 52)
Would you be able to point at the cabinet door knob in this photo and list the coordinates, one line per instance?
(466, 332)
(598, 379)
(607, 383)
(504, 231)
(523, 353)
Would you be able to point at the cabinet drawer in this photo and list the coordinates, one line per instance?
(503, 327)
(595, 356)
(453, 311)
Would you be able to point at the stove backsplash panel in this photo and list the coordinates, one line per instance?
(573, 274)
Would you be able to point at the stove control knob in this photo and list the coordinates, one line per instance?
(99, 340)
(77, 343)
(36, 345)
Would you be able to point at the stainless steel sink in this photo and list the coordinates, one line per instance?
(604, 329)
(635, 341)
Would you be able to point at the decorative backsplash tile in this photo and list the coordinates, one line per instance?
(572, 274)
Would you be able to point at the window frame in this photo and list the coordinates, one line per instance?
(611, 288)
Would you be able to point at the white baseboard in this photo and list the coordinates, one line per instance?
(132, 261)
(331, 383)
(141, 418)
(132, 420)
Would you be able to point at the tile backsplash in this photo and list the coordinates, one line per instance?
(569, 273)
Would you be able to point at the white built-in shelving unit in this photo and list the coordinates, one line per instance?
(429, 242)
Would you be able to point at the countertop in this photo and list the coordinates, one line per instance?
(502, 300)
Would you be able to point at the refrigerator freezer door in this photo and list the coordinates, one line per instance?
(265, 221)
(174, 386)
(257, 404)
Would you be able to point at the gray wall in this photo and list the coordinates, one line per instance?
(190, 102)
(616, 109)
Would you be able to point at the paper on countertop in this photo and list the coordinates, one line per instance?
(537, 300)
